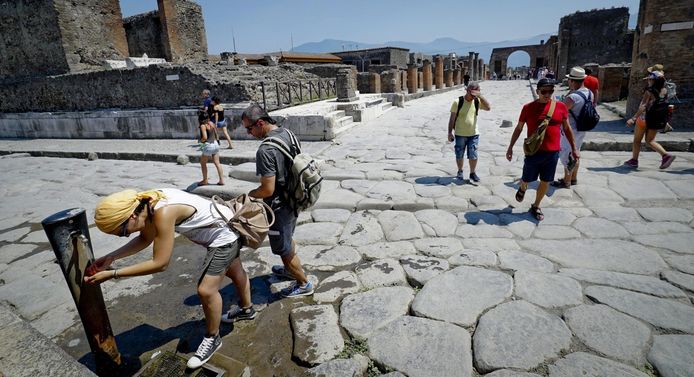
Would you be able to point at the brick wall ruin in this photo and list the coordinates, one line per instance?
(183, 30)
(143, 32)
(599, 36)
(39, 37)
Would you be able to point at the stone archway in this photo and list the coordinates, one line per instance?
(499, 59)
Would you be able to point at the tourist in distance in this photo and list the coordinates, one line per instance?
(574, 102)
(593, 84)
(462, 128)
(218, 119)
(156, 215)
(209, 147)
(544, 162)
(273, 168)
(654, 92)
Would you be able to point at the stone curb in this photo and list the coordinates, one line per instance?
(133, 156)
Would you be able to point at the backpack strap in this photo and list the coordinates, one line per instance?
(585, 100)
(279, 144)
(461, 102)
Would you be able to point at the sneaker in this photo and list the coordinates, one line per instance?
(239, 314)
(474, 177)
(282, 272)
(207, 348)
(460, 175)
(632, 163)
(298, 290)
(667, 128)
(667, 160)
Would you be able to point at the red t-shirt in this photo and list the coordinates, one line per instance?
(533, 114)
(592, 83)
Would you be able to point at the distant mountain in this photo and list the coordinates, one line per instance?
(437, 46)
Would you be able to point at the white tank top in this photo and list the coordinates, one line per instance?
(204, 227)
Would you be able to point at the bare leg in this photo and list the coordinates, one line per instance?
(473, 165)
(226, 135)
(203, 166)
(639, 131)
(238, 275)
(211, 300)
(541, 191)
(650, 140)
(293, 265)
(574, 173)
(220, 171)
(460, 162)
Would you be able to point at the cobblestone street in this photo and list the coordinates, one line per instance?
(421, 273)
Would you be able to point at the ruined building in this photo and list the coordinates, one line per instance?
(543, 54)
(362, 59)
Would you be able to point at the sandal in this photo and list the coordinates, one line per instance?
(520, 194)
(561, 183)
(537, 213)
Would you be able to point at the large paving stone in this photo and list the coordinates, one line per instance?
(547, 290)
(660, 312)
(363, 313)
(683, 188)
(614, 255)
(491, 244)
(610, 332)
(362, 228)
(382, 250)
(356, 366)
(437, 223)
(400, 225)
(360, 186)
(639, 188)
(488, 202)
(452, 203)
(395, 191)
(460, 295)
(557, 216)
(337, 285)
(518, 335)
(510, 373)
(594, 227)
(679, 242)
(639, 283)
(327, 258)
(482, 231)
(684, 263)
(381, 273)
(338, 198)
(597, 196)
(317, 337)
(617, 213)
(477, 217)
(644, 228)
(679, 279)
(420, 347)
(518, 260)
(245, 172)
(13, 251)
(14, 235)
(33, 296)
(555, 232)
(673, 355)
(420, 269)
(473, 258)
(666, 214)
(581, 364)
(433, 191)
(330, 215)
(318, 233)
(438, 247)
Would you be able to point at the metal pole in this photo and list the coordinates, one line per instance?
(301, 92)
(68, 233)
(262, 86)
(279, 99)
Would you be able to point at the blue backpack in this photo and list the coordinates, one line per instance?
(588, 117)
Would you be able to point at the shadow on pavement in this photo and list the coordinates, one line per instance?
(442, 181)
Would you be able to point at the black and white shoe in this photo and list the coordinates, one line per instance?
(241, 314)
(207, 348)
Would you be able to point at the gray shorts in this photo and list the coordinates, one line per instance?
(210, 149)
(218, 259)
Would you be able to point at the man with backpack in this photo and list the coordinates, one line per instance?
(275, 168)
(583, 117)
(463, 121)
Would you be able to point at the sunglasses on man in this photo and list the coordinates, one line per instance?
(546, 91)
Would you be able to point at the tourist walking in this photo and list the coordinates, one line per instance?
(218, 118)
(650, 117)
(209, 147)
(273, 167)
(593, 84)
(155, 216)
(462, 128)
(544, 162)
(574, 101)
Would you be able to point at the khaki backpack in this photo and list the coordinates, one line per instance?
(532, 143)
(250, 218)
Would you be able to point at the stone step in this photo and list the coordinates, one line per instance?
(337, 114)
(343, 124)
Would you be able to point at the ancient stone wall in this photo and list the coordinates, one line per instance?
(614, 82)
(39, 37)
(664, 35)
(599, 36)
(183, 31)
(144, 32)
(364, 59)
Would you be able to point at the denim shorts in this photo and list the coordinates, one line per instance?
(210, 149)
(282, 231)
(542, 164)
(222, 123)
(218, 259)
(466, 142)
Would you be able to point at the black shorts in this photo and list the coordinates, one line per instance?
(542, 164)
(282, 231)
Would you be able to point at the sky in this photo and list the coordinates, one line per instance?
(271, 25)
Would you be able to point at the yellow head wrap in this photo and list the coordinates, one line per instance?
(113, 210)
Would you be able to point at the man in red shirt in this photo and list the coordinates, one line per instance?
(591, 82)
(544, 162)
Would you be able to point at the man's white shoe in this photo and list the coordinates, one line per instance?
(207, 348)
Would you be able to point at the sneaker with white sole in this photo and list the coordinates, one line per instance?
(460, 175)
(474, 177)
(207, 348)
(240, 314)
(298, 290)
(282, 272)
(667, 160)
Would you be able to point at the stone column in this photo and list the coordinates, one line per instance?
(426, 74)
(412, 78)
(438, 75)
(344, 87)
(449, 78)
(471, 65)
(403, 80)
(419, 80)
(477, 66)
(375, 82)
(456, 76)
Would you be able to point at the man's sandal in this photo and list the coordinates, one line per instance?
(537, 213)
(520, 194)
(561, 183)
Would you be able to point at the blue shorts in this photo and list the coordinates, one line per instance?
(282, 231)
(466, 142)
(222, 123)
(543, 164)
